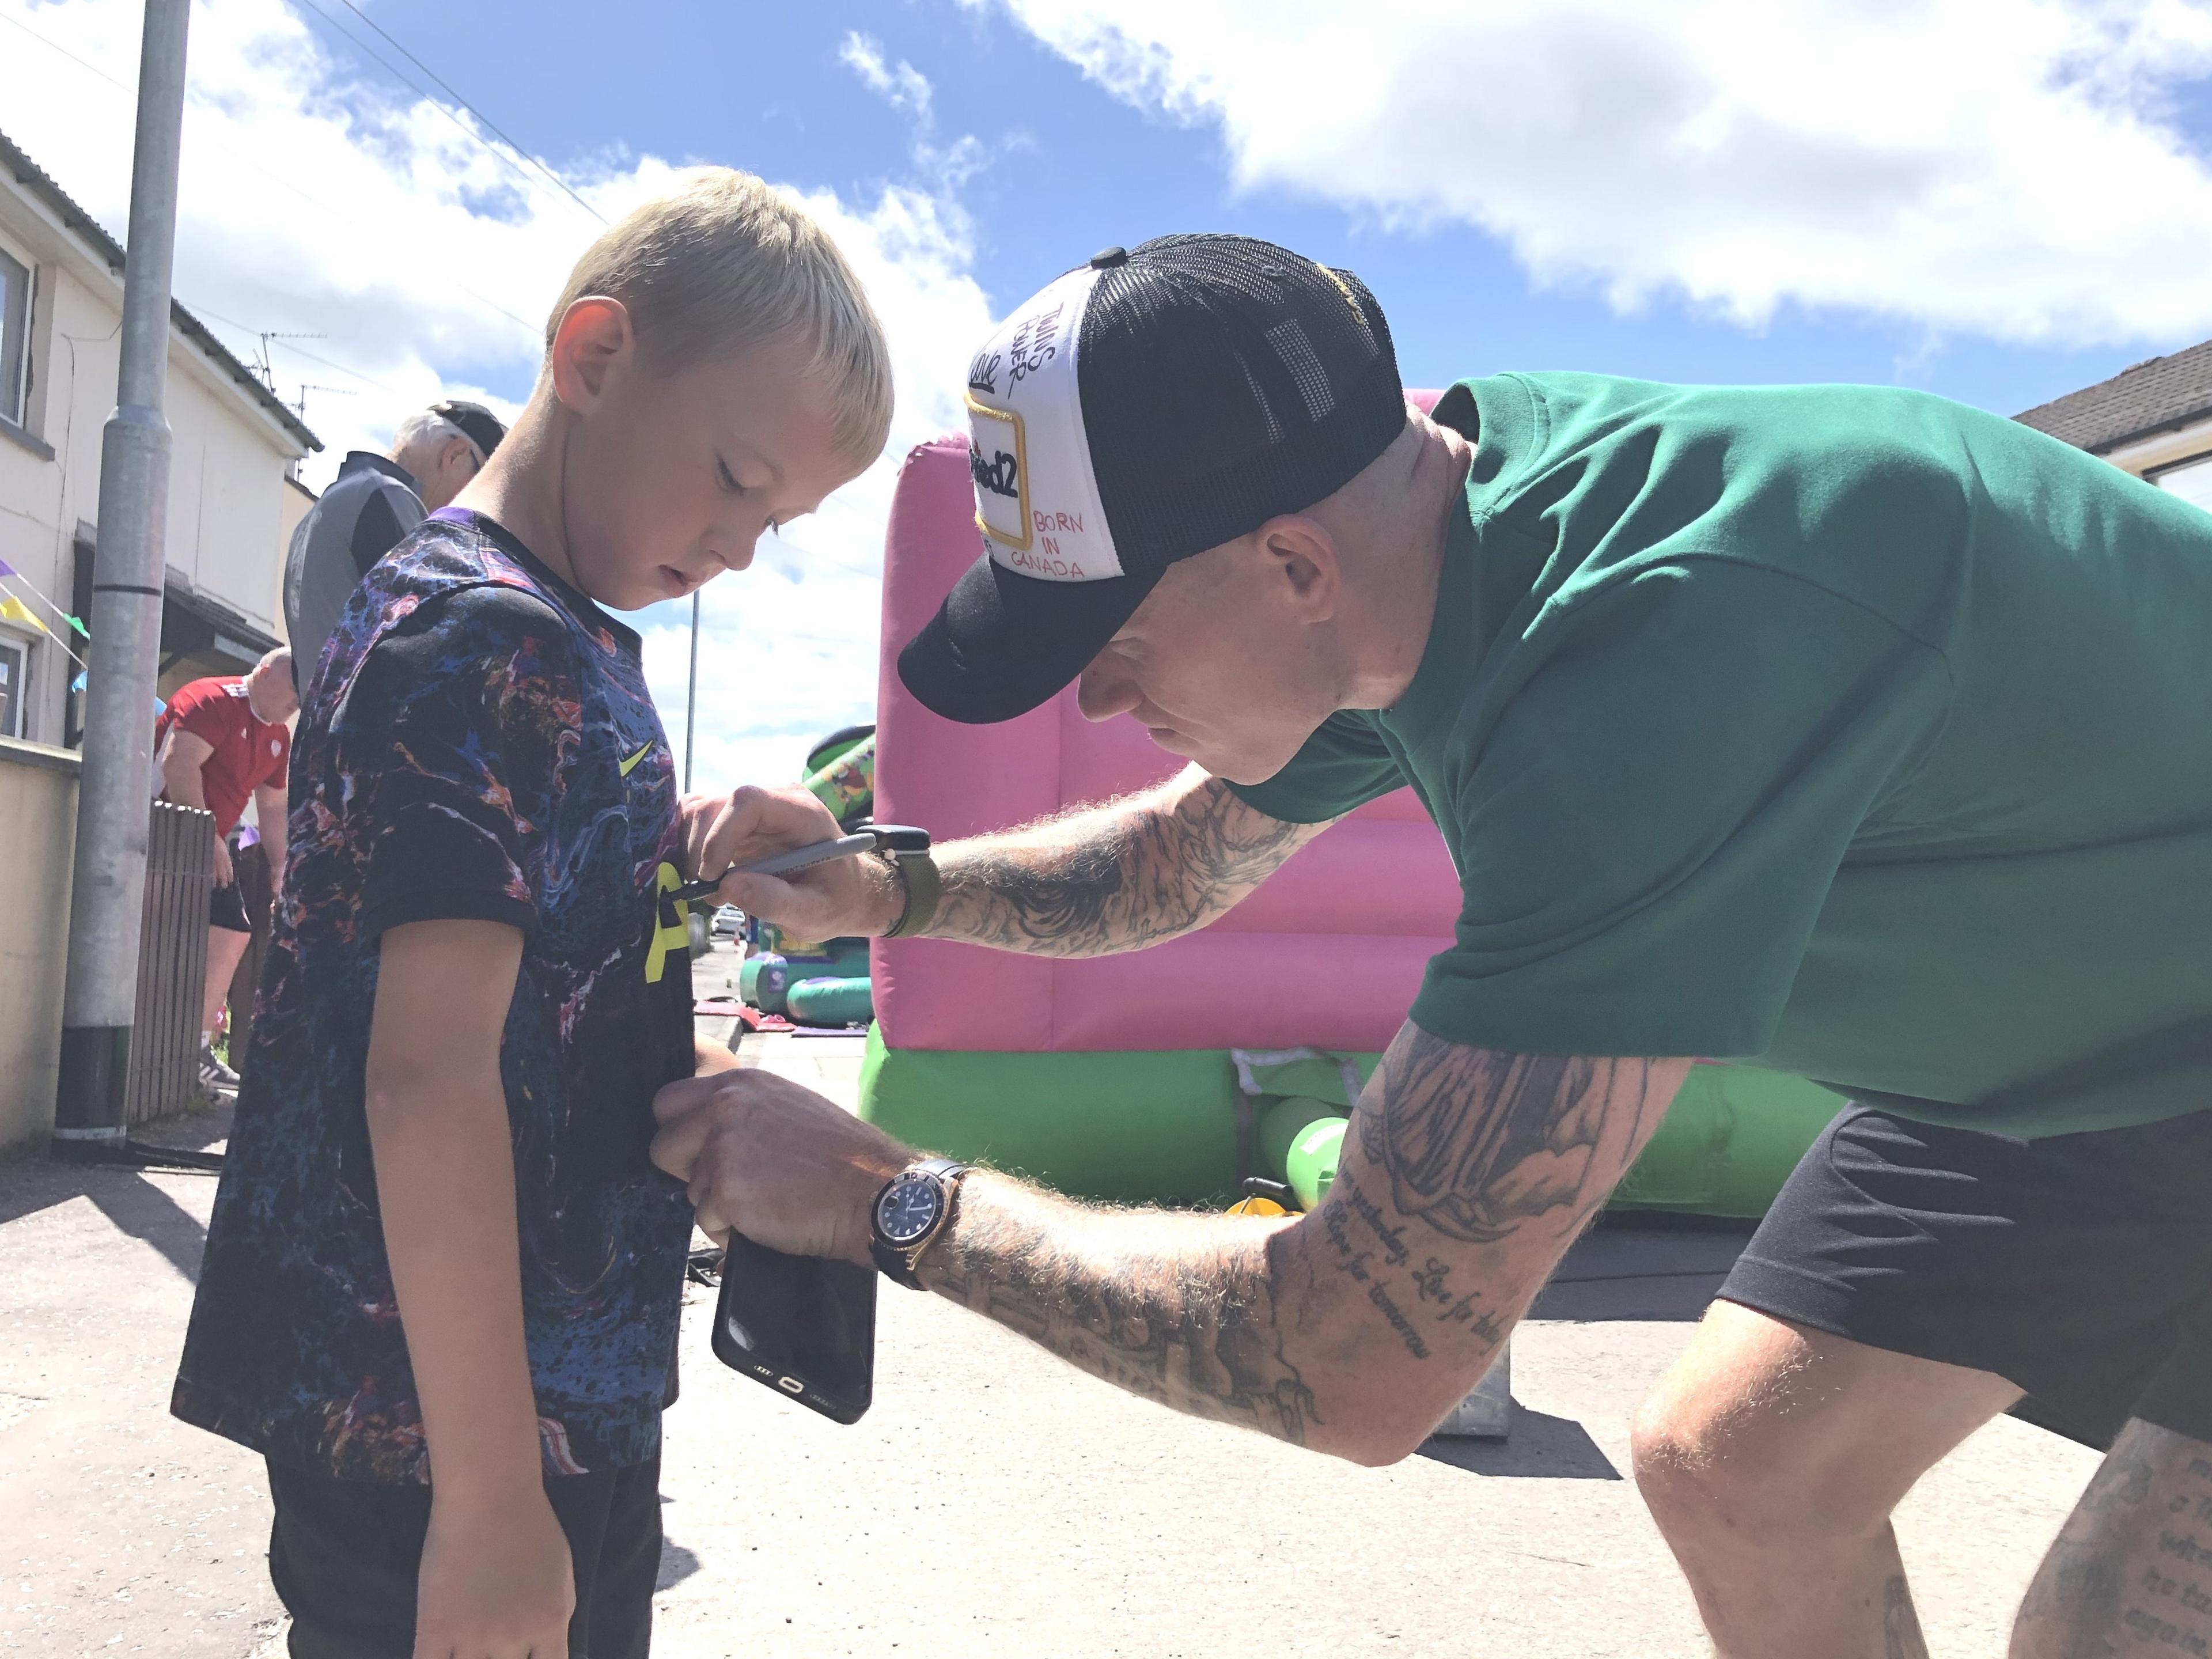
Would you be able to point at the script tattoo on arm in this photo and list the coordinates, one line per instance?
(1475, 1170)
(1473, 1173)
(1119, 876)
(1177, 1309)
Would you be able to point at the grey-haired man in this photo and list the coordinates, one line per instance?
(374, 500)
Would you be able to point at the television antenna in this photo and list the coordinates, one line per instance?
(261, 364)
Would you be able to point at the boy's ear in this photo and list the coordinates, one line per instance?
(593, 337)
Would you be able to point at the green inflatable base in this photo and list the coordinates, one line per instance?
(1161, 1127)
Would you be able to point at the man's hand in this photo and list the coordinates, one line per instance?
(496, 1581)
(775, 1162)
(224, 874)
(844, 898)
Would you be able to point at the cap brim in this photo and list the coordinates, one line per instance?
(1002, 643)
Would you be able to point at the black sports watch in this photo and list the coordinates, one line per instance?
(908, 1214)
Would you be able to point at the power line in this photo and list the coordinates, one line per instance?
(288, 346)
(302, 351)
(314, 9)
(447, 86)
(54, 47)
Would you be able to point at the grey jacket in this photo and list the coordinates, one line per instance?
(368, 508)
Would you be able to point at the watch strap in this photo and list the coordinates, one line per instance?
(919, 875)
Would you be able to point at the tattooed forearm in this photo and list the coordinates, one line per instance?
(1354, 1329)
(1114, 877)
(1478, 1144)
(1193, 1328)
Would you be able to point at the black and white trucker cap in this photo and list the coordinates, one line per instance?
(1145, 407)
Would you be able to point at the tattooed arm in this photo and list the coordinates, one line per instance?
(1466, 1174)
(1117, 876)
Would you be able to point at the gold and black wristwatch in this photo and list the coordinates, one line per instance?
(907, 1215)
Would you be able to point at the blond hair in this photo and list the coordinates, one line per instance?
(724, 263)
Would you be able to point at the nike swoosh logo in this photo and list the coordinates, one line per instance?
(629, 764)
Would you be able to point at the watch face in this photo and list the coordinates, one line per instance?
(909, 1210)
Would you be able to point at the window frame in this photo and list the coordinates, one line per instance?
(16, 718)
(2202, 461)
(15, 329)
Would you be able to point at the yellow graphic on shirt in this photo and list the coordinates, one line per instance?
(630, 764)
(667, 936)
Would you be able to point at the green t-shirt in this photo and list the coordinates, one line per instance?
(1842, 729)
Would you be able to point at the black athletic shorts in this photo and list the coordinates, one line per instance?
(2078, 1266)
(227, 910)
(344, 1556)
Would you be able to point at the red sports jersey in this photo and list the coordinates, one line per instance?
(249, 753)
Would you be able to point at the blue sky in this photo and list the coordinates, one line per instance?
(1707, 191)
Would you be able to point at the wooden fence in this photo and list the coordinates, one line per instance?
(165, 1038)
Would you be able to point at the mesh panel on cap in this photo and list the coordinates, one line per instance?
(1289, 340)
(1225, 380)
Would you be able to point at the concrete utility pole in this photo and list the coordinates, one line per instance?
(116, 784)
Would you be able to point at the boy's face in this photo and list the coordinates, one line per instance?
(670, 475)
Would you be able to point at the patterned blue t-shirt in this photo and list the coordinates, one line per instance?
(477, 743)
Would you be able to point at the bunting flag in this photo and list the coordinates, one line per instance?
(14, 611)
(12, 607)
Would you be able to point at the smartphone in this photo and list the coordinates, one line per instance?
(801, 1326)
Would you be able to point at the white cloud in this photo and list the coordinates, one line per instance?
(313, 203)
(2011, 170)
(904, 87)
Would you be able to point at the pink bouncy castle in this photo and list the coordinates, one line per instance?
(1113, 1077)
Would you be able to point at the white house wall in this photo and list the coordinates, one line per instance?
(229, 455)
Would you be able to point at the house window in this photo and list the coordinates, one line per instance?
(15, 337)
(14, 661)
(2191, 481)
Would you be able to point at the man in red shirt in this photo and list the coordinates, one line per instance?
(221, 741)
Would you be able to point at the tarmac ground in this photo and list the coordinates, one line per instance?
(992, 1501)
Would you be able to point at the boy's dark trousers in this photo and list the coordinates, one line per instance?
(344, 1556)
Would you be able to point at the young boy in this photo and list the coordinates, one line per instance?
(441, 1282)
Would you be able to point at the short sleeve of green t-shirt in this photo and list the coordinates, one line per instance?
(1342, 765)
(1648, 825)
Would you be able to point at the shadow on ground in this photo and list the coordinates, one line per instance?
(1537, 1447)
(676, 1564)
(139, 1207)
(136, 1206)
